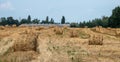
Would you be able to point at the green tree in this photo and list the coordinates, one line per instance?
(3, 21)
(10, 20)
(16, 22)
(95, 22)
(35, 21)
(51, 21)
(24, 21)
(63, 20)
(43, 22)
(29, 19)
(105, 21)
(47, 20)
(114, 20)
(74, 25)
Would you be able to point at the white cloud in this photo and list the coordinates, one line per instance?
(6, 6)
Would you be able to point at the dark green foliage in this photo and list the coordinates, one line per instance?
(96, 22)
(24, 21)
(3, 21)
(63, 20)
(43, 22)
(74, 25)
(8, 21)
(114, 20)
(29, 19)
(35, 21)
(11, 21)
(47, 19)
(51, 21)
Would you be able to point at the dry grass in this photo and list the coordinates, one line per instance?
(25, 43)
(52, 26)
(109, 28)
(39, 28)
(19, 57)
(14, 25)
(117, 33)
(30, 44)
(65, 27)
(74, 33)
(2, 27)
(99, 29)
(7, 26)
(58, 31)
(96, 40)
(108, 31)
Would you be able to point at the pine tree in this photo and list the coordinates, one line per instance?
(52, 21)
(47, 20)
(63, 20)
(29, 19)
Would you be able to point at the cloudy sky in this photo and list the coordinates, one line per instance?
(73, 10)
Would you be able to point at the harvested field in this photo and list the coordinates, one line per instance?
(59, 44)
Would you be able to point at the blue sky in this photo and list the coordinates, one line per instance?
(73, 10)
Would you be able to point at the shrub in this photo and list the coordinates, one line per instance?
(74, 25)
(96, 40)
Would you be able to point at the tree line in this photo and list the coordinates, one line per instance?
(112, 21)
(92, 23)
(11, 21)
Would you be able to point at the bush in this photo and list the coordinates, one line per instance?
(74, 25)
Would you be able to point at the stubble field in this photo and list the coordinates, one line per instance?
(59, 44)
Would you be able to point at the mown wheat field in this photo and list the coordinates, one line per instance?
(59, 44)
